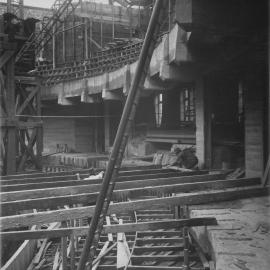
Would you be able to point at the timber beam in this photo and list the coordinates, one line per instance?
(68, 190)
(13, 207)
(63, 183)
(116, 208)
(118, 228)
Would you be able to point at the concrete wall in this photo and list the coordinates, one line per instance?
(76, 133)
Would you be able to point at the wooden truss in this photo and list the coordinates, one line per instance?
(21, 126)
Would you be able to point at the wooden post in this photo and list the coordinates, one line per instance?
(91, 36)
(113, 22)
(85, 38)
(200, 122)
(64, 42)
(64, 250)
(53, 47)
(39, 142)
(73, 39)
(10, 98)
(268, 134)
(106, 126)
(101, 31)
(72, 253)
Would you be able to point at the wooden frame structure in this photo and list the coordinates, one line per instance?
(21, 126)
(143, 194)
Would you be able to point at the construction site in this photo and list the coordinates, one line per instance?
(135, 135)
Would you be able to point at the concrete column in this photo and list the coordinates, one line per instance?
(106, 126)
(253, 127)
(200, 121)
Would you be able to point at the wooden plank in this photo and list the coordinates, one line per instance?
(56, 260)
(141, 250)
(12, 207)
(108, 222)
(64, 252)
(123, 252)
(127, 227)
(23, 255)
(54, 177)
(45, 185)
(73, 177)
(43, 174)
(183, 199)
(135, 259)
(62, 191)
(102, 253)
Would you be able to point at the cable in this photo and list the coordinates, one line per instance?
(65, 116)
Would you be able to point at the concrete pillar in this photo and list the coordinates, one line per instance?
(106, 126)
(200, 121)
(253, 100)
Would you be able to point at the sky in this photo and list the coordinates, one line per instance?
(49, 3)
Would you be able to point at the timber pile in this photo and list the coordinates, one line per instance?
(72, 201)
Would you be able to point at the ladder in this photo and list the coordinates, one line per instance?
(36, 42)
(119, 145)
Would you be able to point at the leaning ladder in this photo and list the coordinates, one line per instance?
(115, 160)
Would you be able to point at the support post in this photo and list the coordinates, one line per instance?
(200, 121)
(106, 126)
(64, 42)
(10, 102)
(85, 38)
(53, 47)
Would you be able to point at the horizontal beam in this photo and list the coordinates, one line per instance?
(123, 170)
(87, 187)
(65, 183)
(116, 208)
(12, 207)
(127, 227)
(125, 177)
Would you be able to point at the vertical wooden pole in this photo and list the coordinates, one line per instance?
(268, 134)
(64, 249)
(73, 40)
(90, 36)
(53, 46)
(106, 125)
(39, 142)
(86, 38)
(186, 240)
(64, 43)
(200, 122)
(10, 98)
(72, 252)
(101, 32)
(113, 22)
